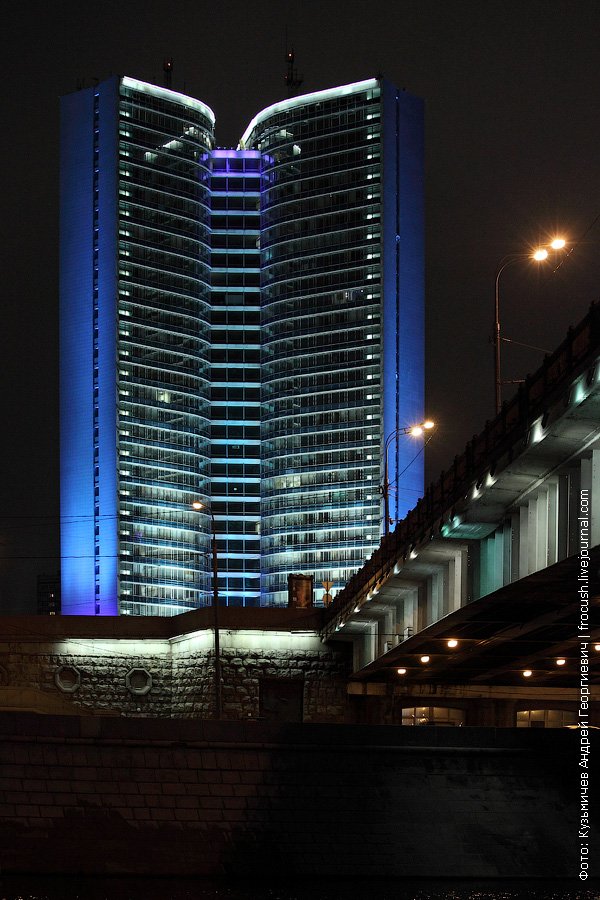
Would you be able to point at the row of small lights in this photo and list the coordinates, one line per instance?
(561, 661)
(539, 255)
(452, 643)
(414, 431)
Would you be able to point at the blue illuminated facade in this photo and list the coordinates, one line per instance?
(236, 372)
(135, 349)
(240, 327)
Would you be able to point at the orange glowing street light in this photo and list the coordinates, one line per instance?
(539, 255)
(413, 431)
(417, 430)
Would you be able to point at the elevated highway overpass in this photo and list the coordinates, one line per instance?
(492, 557)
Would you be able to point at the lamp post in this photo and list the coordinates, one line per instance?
(415, 431)
(215, 603)
(538, 255)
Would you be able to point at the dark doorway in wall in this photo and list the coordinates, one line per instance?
(281, 699)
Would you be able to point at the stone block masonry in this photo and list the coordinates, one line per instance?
(274, 666)
(109, 795)
(165, 668)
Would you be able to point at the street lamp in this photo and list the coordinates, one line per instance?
(414, 431)
(539, 255)
(197, 505)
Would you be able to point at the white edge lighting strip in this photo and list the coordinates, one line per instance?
(328, 94)
(166, 94)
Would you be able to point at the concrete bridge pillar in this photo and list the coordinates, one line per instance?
(590, 482)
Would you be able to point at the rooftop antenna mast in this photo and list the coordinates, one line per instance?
(292, 79)
(168, 70)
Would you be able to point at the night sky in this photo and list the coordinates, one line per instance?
(512, 99)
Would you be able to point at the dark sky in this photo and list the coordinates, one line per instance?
(512, 133)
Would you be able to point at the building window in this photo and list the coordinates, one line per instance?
(432, 715)
(545, 718)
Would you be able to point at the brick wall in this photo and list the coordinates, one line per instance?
(106, 795)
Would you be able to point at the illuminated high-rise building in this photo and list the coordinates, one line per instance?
(342, 323)
(135, 348)
(241, 328)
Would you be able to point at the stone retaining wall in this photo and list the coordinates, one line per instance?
(93, 795)
(167, 677)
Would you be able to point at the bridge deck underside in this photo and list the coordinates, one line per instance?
(528, 624)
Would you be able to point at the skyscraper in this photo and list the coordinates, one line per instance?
(342, 329)
(242, 328)
(135, 348)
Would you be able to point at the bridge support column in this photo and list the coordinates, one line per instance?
(492, 562)
(523, 541)
(435, 595)
(541, 529)
(595, 498)
(457, 582)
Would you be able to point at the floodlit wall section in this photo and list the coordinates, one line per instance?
(403, 295)
(235, 373)
(89, 517)
(76, 363)
(325, 248)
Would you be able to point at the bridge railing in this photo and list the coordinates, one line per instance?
(499, 437)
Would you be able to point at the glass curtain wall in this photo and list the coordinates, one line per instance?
(163, 374)
(235, 373)
(256, 323)
(321, 319)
